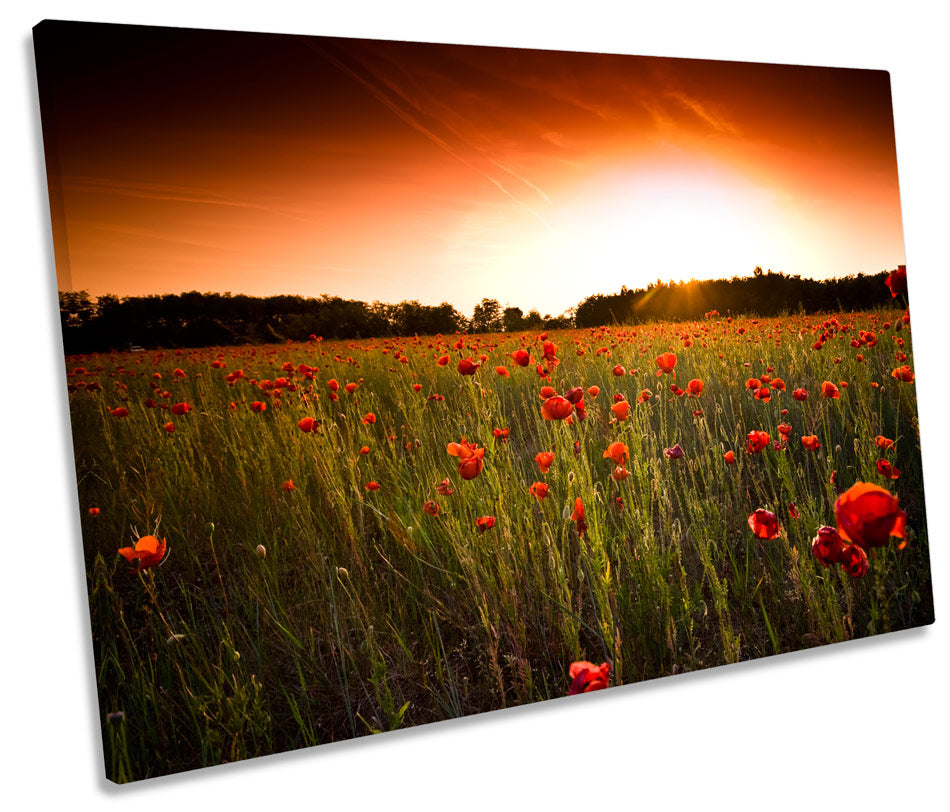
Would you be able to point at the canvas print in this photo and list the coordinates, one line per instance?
(409, 381)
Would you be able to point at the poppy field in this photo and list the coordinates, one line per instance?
(294, 544)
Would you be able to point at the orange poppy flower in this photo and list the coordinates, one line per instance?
(665, 362)
(169, 427)
(258, 406)
(753, 383)
(764, 524)
(119, 411)
(431, 508)
(618, 452)
(556, 408)
(503, 371)
(695, 387)
(593, 391)
(544, 459)
(364, 450)
(729, 457)
(756, 441)
(586, 677)
(350, 388)
(868, 516)
(539, 490)
(578, 516)
(289, 485)
(618, 370)
(778, 383)
(470, 458)
(372, 486)
(484, 523)
(621, 410)
(883, 443)
(827, 546)
(369, 418)
(148, 551)
(904, 374)
(333, 384)
(444, 488)
(810, 442)
(306, 424)
(829, 390)
(180, 409)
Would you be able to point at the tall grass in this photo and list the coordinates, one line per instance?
(366, 614)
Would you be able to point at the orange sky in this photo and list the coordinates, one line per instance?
(261, 164)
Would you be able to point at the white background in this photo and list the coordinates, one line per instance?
(861, 723)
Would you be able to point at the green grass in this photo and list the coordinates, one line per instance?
(367, 614)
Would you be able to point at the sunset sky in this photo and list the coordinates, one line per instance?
(214, 161)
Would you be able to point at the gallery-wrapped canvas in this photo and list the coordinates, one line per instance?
(410, 381)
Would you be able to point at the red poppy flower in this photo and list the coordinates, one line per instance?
(501, 434)
(119, 411)
(792, 511)
(729, 457)
(306, 424)
(578, 516)
(288, 485)
(665, 362)
(674, 453)
(778, 384)
(827, 546)
(547, 392)
(829, 390)
(618, 452)
(763, 393)
(431, 508)
(544, 459)
(695, 387)
(467, 366)
(576, 396)
(503, 371)
(904, 374)
(764, 524)
(586, 677)
(169, 427)
(618, 370)
(897, 281)
(484, 523)
(753, 383)
(620, 473)
(886, 470)
(810, 442)
(756, 441)
(93, 511)
(148, 551)
(621, 410)
(593, 391)
(372, 486)
(644, 396)
(369, 418)
(333, 384)
(556, 408)
(442, 360)
(868, 516)
(784, 429)
(364, 450)
(417, 387)
(800, 394)
(180, 409)
(538, 490)
(178, 373)
(350, 388)
(258, 406)
(470, 458)
(521, 358)
(854, 560)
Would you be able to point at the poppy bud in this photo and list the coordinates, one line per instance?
(261, 551)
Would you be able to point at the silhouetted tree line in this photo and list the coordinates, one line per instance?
(762, 294)
(201, 319)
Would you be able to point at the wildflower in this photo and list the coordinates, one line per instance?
(903, 374)
(886, 470)
(372, 486)
(556, 408)
(467, 366)
(593, 391)
(665, 362)
(369, 418)
(261, 551)
(544, 459)
(621, 410)
(674, 453)
(119, 411)
(695, 387)
(810, 442)
(521, 358)
(470, 458)
(350, 388)
(764, 524)
(800, 394)
(868, 516)
(897, 281)
(93, 511)
(644, 396)
(503, 371)
(827, 546)
(829, 390)
(854, 560)
(444, 488)
(180, 409)
(169, 427)
(729, 457)
(306, 424)
(289, 485)
(539, 490)
(430, 507)
(484, 523)
(586, 677)
(501, 434)
(618, 370)
(620, 473)
(756, 441)
(578, 516)
(883, 443)
(258, 406)
(148, 551)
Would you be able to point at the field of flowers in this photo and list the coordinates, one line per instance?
(294, 544)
